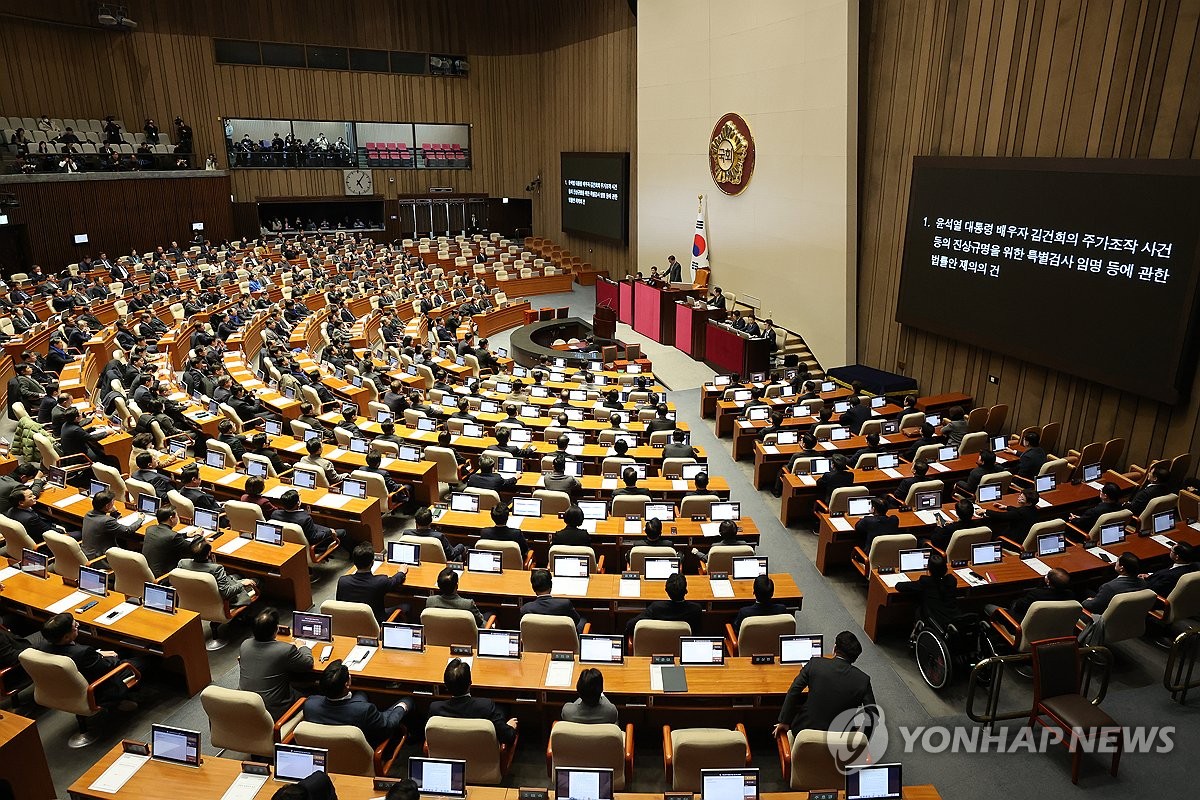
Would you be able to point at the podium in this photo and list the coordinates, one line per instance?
(604, 323)
(691, 326)
(654, 310)
(732, 351)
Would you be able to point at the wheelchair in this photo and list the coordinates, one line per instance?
(942, 649)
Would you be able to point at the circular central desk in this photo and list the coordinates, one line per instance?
(529, 343)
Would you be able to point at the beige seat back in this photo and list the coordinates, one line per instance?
(927, 452)
(598, 746)
(16, 538)
(488, 498)
(760, 635)
(659, 637)
(815, 762)
(639, 554)
(57, 682)
(238, 720)
(299, 428)
(187, 511)
(1048, 619)
(573, 550)
(431, 549)
(130, 571)
(1184, 600)
(349, 751)
(449, 626)
(472, 740)
(546, 633)
(628, 504)
(1003, 478)
(351, 619)
(376, 487)
(553, 502)
(973, 443)
(447, 464)
(612, 465)
(695, 749)
(112, 479)
(1060, 468)
(510, 557)
(1156, 506)
(959, 548)
(673, 467)
(137, 488)
(1041, 529)
(68, 555)
(243, 516)
(697, 504)
(922, 486)
(720, 557)
(885, 550)
(1123, 516)
(839, 500)
(197, 591)
(1125, 617)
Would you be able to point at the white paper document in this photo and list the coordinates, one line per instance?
(770, 449)
(807, 480)
(116, 613)
(841, 524)
(559, 674)
(608, 484)
(233, 545)
(68, 500)
(927, 517)
(1100, 552)
(334, 500)
(70, 601)
(576, 587)
(1043, 503)
(118, 774)
(227, 478)
(721, 588)
(633, 526)
(892, 579)
(892, 473)
(244, 787)
(938, 466)
(358, 657)
(965, 574)
(1037, 565)
(629, 588)
(656, 683)
(1163, 540)
(710, 529)
(827, 445)
(129, 519)
(679, 485)
(8, 572)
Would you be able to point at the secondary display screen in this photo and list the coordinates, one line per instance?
(595, 195)
(1095, 237)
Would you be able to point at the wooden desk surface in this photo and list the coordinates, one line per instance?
(23, 763)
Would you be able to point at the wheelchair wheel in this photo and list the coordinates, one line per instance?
(933, 659)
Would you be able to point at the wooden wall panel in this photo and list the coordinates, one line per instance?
(1062, 78)
(118, 215)
(546, 76)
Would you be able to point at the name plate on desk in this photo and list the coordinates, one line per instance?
(830, 795)
(718, 576)
(460, 650)
(662, 659)
(562, 655)
(763, 658)
(384, 784)
(690, 796)
(532, 794)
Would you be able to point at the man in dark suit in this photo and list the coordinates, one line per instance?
(764, 603)
(839, 475)
(337, 705)
(189, 478)
(164, 546)
(1183, 561)
(423, 521)
(877, 523)
(1031, 459)
(292, 512)
(147, 474)
(677, 448)
(1110, 495)
(573, 533)
(545, 603)
(23, 502)
(57, 356)
(500, 531)
(102, 530)
(1014, 521)
(660, 421)
(461, 705)
(1128, 568)
(674, 270)
(834, 686)
(985, 465)
(942, 534)
(676, 608)
(854, 417)
(1056, 586)
(718, 299)
(630, 476)
(268, 666)
(486, 477)
(361, 586)
(1158, 486)
(60, 633)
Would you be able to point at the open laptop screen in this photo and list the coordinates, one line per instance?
(439, 777)
(583, 783)
(800, 648)
(729, 784)
(295, 763)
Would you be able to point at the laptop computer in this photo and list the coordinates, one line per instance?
(914, 560)
(402, 636)
(874, 782)
(702, 651)
(295, 763)
(439, 777)
(659, 568)
(601, 649)
(499, 644)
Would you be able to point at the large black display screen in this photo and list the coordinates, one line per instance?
(595, 195)
(1084, 266)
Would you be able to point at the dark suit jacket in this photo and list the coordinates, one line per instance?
(1164, 580)
(834, 479)
(553, 606)
(1029, 463)
(935, 596)
(164, 547)
(1088, 518)
(1143, 496)
(1106, 592)
(834, 686)
(468, 707)
(503, 533)
(757, 610)
(874, 525)
(1014, 522)
(494, 481)
(357, 711)
(669, 610)
(576, 537)
(91, 664)
(268, 668)
(660, 424)
(34, 523)
(1020, 606)
(855, 417)
(363, 587)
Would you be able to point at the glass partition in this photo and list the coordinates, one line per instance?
(301, 144)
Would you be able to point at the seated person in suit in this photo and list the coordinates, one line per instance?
(878, 523)
(102, 529)
(764, 603)
(189, 480)
(61, 632)
(398, 493)
(985, 465)
(461, 705)
(927, 437)
(955, 428)
(164, 547)
(1031, 459)
(676, 448)
(558, 480)
(936, 591)
(448, 596)
(572, 532)
(1110, 501)
(660, 421)
(24, 502)
(728, 533)
(294, 513)
(808, 449)
(854, 417)
(486, 477)
(234, 589)
(701, 482)
(1183, 561)
(941, 535)
(500, 531)
(1157, 486)
(423, 520)
(541, 581)
(1056, 586)
(1128, 569)
(1013, 521)
(146, 473)
(629, 475)
(362, 586)
(335, 704)
(592, 707)
(314, 460)
(873, 448)
(839, 475)
(268, 666)
(920, 469)
(834, 686)
(652, 536)
(502, 436)
(718, 299)
(674, 609)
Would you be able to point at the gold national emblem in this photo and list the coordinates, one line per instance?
(731, 154)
